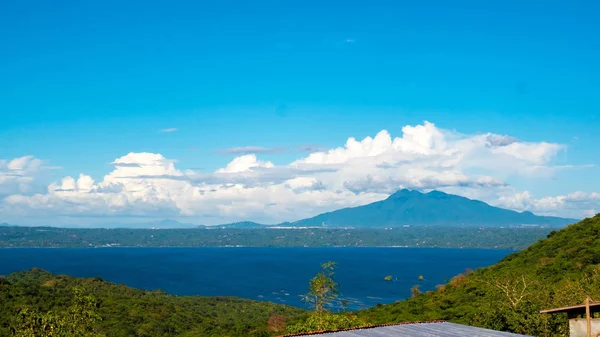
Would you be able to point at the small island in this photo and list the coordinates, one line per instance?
(388, 278)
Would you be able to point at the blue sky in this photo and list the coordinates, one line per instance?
(84, 83)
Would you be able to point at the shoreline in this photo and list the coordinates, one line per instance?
(254, 247)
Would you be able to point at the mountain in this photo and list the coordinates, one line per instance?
(558, 271)
(406, 207)
(237, 225)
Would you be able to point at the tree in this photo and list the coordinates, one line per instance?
(323, 290)
(81, 316)
(29, 323)
(77, 321)
(415, 290)
(276, 323)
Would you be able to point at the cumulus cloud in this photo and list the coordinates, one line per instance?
(124, 191)
(359, 172)
(244, 163)
(574, 204)
(421, 180)
(17, 175)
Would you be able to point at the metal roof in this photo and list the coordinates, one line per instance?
(577, 308)
(434, 329)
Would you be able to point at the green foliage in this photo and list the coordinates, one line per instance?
(326, 322)
(561, 270)
(388, 278)
(323, 290)
(78, 320)
(28, 323)
(425, 236)
(38, 303)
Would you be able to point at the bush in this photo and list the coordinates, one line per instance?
(326, 322)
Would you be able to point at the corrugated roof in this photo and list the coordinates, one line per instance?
(429, 329)
(580, 307)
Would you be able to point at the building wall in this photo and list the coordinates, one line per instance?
(578, 327)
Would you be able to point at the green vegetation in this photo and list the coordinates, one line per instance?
(388, 278)
(326, 322)
(323, 293)
(77, 320)
(561, 270)
(445, 237)
(323, 289)
(37, 303)
(420, 278)
(558, 271)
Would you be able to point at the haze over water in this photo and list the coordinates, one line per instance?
(274, 274)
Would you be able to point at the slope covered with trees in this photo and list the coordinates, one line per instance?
(418, 236)
(560, 270)
(38, 303)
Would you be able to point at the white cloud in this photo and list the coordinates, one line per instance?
(576, 204)
(303, 184)
(244, 163)
(24, 164)
(362, 171)
(17, 175)
(169, 130)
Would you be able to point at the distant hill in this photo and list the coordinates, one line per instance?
(162, 224)
(558, 271)
(406, 207)
(237, 225)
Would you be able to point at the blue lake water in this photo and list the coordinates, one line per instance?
(273, 274)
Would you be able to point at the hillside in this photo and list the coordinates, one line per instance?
(237, 225)
(557, 271)
(131, 312)
(415, 236)
(435, 208)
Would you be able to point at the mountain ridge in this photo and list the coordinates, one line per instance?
(435, 208)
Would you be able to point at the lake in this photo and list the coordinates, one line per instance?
(280, 275)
